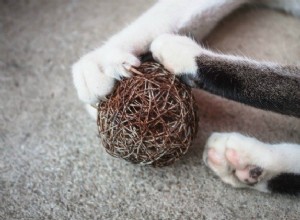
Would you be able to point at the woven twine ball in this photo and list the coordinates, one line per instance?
(150, 118)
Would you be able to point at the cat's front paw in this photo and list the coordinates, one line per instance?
(176, 53)
(230, 156)
(95, 73)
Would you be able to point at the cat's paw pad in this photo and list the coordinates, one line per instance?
(95, 73)
(177, 53)
(228, 163)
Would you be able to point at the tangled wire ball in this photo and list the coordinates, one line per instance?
(149, 118)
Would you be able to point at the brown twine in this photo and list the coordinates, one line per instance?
(150, 118)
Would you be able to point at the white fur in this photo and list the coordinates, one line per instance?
(176, 53)
(94, 74)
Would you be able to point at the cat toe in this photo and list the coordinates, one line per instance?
(229, 164)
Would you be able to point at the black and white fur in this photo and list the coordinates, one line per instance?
(238, 160)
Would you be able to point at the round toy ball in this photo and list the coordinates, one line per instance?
(150, 118)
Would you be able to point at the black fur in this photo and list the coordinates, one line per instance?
(269, 87)
(285, 183)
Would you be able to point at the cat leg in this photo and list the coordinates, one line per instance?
(245, 162)
(233, 77)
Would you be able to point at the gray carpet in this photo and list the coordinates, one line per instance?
(51, 163)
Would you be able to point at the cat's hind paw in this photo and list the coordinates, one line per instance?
(229, 156)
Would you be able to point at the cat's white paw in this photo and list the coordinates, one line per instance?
(95, 73)
(176, 53)
(231, 157)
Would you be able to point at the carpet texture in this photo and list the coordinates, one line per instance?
(51, 163)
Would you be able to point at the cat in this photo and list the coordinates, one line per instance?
(241, 161)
